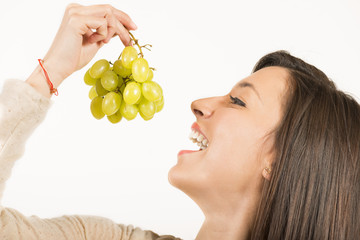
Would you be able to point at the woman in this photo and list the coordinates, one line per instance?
(279, 154)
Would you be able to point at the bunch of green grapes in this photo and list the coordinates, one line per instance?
(124, 88)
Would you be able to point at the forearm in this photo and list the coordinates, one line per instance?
(14, 225)
(22, 108)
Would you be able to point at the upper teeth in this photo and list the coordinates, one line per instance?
(199, 139)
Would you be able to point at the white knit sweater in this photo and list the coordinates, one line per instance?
(22, 109)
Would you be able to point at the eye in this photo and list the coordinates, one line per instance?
(237, 101)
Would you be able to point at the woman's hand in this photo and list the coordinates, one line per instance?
(83, 31)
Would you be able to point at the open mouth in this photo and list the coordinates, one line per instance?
(196, 136)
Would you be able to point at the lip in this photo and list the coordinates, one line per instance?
(182, 152)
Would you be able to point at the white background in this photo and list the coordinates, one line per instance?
(75, 164)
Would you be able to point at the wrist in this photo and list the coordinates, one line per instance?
(52, 68)
(40, 81)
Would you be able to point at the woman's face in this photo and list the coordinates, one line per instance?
(238, 129)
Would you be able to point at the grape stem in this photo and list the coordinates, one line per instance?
(136, 42)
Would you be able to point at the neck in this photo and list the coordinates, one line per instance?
(229, 221)
(215, 229)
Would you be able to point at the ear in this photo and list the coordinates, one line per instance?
(267, 156)
(266, 173)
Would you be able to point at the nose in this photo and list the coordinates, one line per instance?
(203, 108)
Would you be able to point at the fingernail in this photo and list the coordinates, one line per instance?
(134, 26)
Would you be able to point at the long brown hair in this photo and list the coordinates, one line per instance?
(314, 190)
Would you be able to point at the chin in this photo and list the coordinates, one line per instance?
(187, 180)
(174, 177)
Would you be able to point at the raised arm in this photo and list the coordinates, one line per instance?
(23, 105)
(22, 108)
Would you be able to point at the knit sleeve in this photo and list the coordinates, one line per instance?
(15, 226)
(22, 109)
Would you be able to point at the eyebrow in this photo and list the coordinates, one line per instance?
(249, 85)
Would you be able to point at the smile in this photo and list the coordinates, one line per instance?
(196, 136)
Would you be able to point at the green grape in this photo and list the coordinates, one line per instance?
(128, 111)
(147, 108)
(122, 88)
(140, 70)
(92, 93)
(115, 118)
(145, 117)
(88, 79)
(151, 91)
(120, 69)
(96, 108)
(159, 87)
(150, 75)
(120, 81)
(98, 68)
(132, 93)
(121, 84)
(140, 99)
(100, 90)
(109, 80)
(111, 103)
(128, 55)
(159, 105)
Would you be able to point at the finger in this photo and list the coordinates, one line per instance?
(123, 33)
(124, 19)
(117, 28)
(112, 25)
(88, 33)
(111, 33)
(104, 10)
(102, 19)
(87, 23)
(94, 10)
(95, 37)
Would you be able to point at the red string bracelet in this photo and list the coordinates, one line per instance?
(52, 89)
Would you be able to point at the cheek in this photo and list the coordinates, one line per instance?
(235, 137)
(232, 160)
(232, 169)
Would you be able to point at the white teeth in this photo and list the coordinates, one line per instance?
(191, 134)
(199, 139)
(196, 135)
